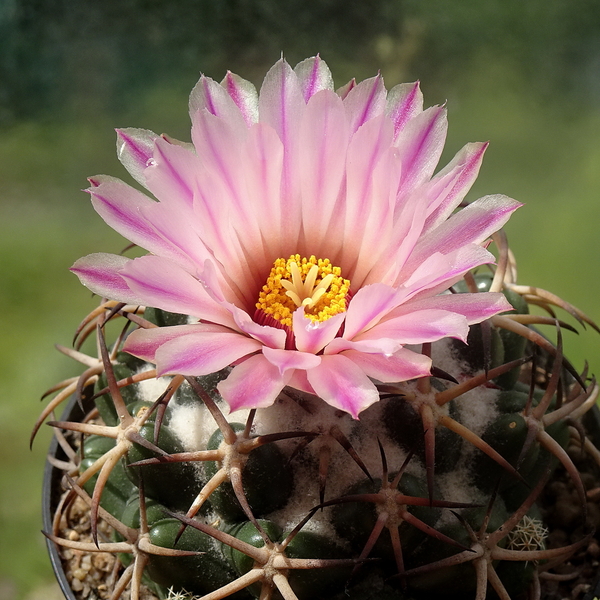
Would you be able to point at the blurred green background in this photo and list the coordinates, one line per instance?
(524, 75)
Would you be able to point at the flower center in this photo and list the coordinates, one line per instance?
(313, 283)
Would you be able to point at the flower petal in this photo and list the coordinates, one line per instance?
(171, 175)
(255, 383)
(263, 173)
(203, 353)
(163, 284)
(101, 273)
(324, 139)
(245, 96)
(367, 306)
(213, 98)
(269, 336)
(313, 336)
(368, 145)
(402, 366)
(471, 225)
(420, 326)
(343, 384)
(144, 343)
(365, 101)
(314, 75)
(420, 144)
(404, 102)
(146, 223)
(134, 149)
(474, 307)
(291, 359)
(439, 271)
(376, 345)
(281, 105)
(448, 188)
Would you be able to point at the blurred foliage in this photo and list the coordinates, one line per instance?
(524, 75)
(89, 54)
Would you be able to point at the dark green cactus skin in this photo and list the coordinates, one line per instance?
(270, 484)
(267, 481)
(119, 487)
(405, 427)
(354, 521)
(158, 479)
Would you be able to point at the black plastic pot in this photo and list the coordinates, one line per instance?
(51, 490)
(51, 493)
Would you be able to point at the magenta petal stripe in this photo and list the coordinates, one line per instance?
(314, 75)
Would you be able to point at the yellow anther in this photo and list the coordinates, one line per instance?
(313, 283)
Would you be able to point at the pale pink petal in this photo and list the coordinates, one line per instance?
(365, 101)
(144, 222)
(144, 343)
(101, 273)
(377, 345)
(419, 326)
(420, 144)
(438, 271)
(376, 238)
(299, 381)
(323, 138)
(474, 307)
(281, 102)
(134, 149)
(182, 243)
(449, 187)
(245, 96)
(403, 365)
(404, 102)
(313, 336)
(263, 172)
(214, 226)
(255, 383)
(367, 306)
(203, 353)
(269, 336)
(213, 98)
(171, 175)
(472, 225)
(343, 384)
(368, 145)
(314, 75)
(291, 359)
(163, 284)
(220, 144)
(343, 91)
(408, 220)
(281, 105)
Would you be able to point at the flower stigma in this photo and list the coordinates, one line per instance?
(313, 283)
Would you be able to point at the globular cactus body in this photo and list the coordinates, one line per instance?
(299, 500)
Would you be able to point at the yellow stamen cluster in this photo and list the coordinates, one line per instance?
(313, 283)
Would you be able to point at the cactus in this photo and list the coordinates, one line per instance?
(432, 492)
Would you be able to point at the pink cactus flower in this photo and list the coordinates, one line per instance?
(305, 234)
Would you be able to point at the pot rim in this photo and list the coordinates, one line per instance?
(51, 493)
